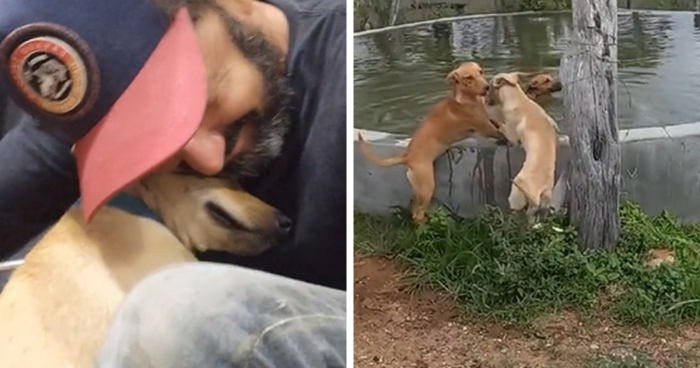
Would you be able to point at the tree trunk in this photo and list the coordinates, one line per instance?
(589, 75)
(395, 7)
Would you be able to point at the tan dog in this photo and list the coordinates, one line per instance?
(526, 123)
(542, 86)
(56, 308)
(539, 89)
(456, 117)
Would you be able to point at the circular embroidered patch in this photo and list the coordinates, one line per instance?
(52, 69)
(49, 73)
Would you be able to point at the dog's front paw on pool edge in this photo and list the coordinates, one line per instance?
(504, 142)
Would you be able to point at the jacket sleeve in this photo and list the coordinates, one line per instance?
(38, 179)
(319, 250)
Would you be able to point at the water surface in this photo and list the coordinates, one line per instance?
(400, 74)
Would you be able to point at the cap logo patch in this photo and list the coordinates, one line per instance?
(49, 73)
(45, 65)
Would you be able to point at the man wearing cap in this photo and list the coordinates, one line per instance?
(244, 89)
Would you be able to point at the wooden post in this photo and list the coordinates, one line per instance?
(589, 74)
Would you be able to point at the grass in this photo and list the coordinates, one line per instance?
(495, 268)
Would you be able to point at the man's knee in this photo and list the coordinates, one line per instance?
(200, 312)
(164, 314)
(206, 288)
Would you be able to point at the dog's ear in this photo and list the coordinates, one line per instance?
(452, 78)
(530, 85)
(507, 79)
(500, 81)
(496, 82)
(512, 79)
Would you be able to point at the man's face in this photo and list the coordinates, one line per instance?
(246, 116)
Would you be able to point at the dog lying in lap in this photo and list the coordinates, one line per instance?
(526, 123)
(56, 307)
(460, 115)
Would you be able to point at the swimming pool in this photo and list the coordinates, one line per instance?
(400, 73)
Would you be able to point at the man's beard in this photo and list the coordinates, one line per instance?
(271, 123)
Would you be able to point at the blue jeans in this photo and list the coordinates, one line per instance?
(214, 316)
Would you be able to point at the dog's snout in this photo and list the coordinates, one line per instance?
(284, 223)
(487, 87)
(557, 86)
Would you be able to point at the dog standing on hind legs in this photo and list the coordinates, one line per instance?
(539, 88)
(460, 115)
(526, 123)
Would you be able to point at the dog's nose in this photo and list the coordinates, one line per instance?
(284, 223)
(487, 88)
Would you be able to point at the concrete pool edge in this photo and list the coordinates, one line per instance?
(660, 171)
(626, 135)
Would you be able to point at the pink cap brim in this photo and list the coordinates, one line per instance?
(150, 122)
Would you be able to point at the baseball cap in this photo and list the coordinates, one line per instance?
(123, 80)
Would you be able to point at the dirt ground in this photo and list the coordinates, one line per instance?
(396, 329)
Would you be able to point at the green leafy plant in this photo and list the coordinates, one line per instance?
(497, 267)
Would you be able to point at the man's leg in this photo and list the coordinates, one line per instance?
(211, 315)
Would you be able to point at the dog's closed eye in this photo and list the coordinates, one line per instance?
(223, 218)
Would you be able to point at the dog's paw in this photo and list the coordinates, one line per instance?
(419, 219)
(503, 142)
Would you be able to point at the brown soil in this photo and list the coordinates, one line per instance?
(394, 328)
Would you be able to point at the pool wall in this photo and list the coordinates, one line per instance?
(660, 170)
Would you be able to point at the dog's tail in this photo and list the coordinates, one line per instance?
(389, 161)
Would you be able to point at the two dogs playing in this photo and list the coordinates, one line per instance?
(500, 109)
